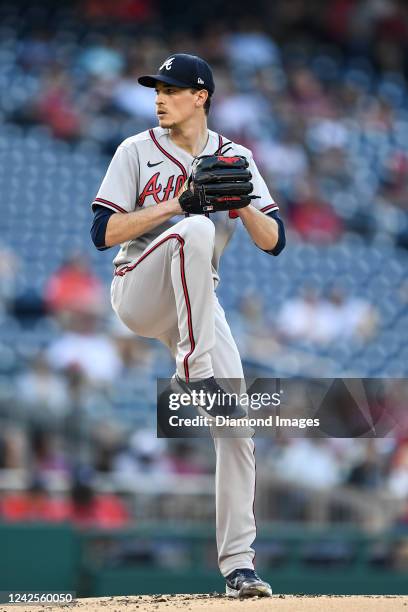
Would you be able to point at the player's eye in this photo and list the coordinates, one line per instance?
(165, 90)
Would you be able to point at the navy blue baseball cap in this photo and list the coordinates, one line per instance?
(182, 70)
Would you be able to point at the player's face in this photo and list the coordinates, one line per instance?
(174, 105)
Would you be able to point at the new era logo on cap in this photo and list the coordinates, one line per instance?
(182, 70)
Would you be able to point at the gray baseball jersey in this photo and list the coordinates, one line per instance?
(149, 168)
(164, 288)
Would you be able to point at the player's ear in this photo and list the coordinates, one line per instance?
(202, 97)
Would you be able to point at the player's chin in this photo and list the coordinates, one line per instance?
(165, 121)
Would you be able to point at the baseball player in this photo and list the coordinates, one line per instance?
(171, 198)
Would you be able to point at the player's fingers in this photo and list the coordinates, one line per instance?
(183, 188)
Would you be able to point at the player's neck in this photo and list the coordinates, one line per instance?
(190, 136)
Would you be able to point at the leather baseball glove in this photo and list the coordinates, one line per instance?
(217, 183)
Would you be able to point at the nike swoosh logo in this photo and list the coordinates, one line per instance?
(153, 165)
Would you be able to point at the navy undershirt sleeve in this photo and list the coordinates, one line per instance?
(280, 245)
(98, 229)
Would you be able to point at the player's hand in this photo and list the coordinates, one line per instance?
(183, 188)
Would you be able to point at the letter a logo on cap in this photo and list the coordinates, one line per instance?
(167, 64)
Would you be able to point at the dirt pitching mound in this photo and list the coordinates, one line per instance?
(220, 603)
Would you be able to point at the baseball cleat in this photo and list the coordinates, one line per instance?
(243, 583)
(211, 388)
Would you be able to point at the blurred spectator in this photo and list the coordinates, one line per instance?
(135, 352)
(85, 348)
(43, 392)
(74, 287)
(185, 460)
(330, 321)
(395, 179)
(398, 476)
(250, 48)
(133, 99)
(87, 508)
(144, 460)
(56, 106)
(107, 442)
(14, 454)
(252, 329)
(313, 218)
(28, 307)
(328, 132)
(402, 524)
(298, 316)
(309, 462)
(368, 473)
(282, 160)
(239, 114)
(359, 318)
(47, 457)
(252, 309)
(103, 59)
(307, 93)
(2, 453)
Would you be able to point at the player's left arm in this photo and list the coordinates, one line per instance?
(261, 218)
(266, 231)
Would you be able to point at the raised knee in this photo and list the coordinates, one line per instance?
(199, 229)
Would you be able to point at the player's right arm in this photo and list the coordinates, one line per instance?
(115, 218)
(122, 227)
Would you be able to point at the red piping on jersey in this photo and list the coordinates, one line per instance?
(167, 154)
(126, 269)
(219, 142)
(269, 207)
(108, 203)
